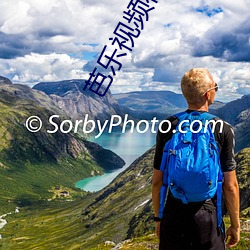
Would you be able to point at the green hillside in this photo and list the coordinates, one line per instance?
(87, 221)
(243, 175)
(123, 210)
(31, 164)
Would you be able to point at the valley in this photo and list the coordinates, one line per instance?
(38, 171)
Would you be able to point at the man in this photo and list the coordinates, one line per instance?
(194, 225)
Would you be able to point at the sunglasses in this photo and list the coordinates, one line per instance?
(216, 87)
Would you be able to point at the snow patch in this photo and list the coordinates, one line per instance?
(2, 223)
(142, 204)
(143, 186)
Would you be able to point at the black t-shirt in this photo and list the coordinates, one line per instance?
(225, 141)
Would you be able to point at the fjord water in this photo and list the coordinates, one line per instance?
(129, 146)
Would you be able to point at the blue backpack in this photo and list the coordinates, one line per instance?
(191, 162)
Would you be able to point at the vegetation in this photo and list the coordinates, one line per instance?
(38, 172)
(57, 225)
(49, 225)
(32, 163)
(243, 175)
(118, 213)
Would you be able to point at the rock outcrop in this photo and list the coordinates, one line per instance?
(76, 102)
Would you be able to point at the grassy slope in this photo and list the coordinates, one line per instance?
(150, 242)
(60, 225)
(55, 225)
(28, 167)
(243, 176)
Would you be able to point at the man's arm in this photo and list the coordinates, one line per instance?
(156, 187)
(231, 195)
(157, 178)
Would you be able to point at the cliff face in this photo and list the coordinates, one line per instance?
(76, 102)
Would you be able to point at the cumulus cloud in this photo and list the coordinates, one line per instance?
(61, 39)
(34, 68)
(231, 45)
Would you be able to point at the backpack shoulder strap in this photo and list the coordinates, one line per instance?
(182, 115)
(208, 116)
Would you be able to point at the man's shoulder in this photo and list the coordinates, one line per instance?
(172, 119)
(227, 127)
(219, 122)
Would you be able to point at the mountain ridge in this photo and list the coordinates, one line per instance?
(76, 102)
(160, 103)
(237, 113)
(230, 111)
(4, 80)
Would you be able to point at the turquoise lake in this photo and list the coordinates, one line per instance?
(129, 146)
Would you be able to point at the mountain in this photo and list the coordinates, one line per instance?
(242, 130)
(76, 102)
(4, 80)
(38, 166)
(216, 105)
(149, 104)
(232, 110)
(32, 163)
(237, 114)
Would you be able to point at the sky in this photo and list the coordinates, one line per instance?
(54, 40)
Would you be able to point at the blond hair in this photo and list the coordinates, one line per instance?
(195, 83)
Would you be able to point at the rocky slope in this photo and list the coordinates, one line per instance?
(31, 163)
(76, 102)
(4, 80)
(232, 110)
(237, 114)
(242, 130)
(243, 175)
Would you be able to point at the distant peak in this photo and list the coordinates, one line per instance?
(4, 80)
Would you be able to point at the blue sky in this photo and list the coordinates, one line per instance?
(62, 39)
